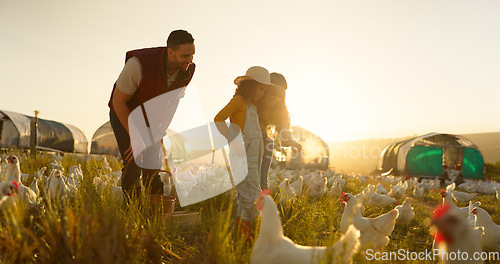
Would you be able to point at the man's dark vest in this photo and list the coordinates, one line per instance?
(154, 76)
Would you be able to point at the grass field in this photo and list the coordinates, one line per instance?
(92, 227)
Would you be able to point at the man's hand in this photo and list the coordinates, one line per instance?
(129, 155)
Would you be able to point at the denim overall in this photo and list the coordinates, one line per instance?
(249, 189)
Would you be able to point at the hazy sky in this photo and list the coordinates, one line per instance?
(355, 69)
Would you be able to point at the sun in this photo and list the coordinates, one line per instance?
(324, 108)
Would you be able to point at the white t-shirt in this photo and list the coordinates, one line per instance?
(131, 76)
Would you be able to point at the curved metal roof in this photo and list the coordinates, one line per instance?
(50, 134)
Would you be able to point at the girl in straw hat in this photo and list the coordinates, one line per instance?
(242, 111)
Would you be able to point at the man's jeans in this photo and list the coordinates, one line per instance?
(131, 173)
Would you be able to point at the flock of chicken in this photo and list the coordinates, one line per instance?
(468, 229)
(472, 231)
(57, 185)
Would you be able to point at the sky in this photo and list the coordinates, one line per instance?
(355, 69)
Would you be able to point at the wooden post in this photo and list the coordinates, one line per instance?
(33, 135)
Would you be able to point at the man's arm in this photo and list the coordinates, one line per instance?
(120, 100)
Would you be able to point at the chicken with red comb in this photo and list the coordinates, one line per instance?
(454, 234)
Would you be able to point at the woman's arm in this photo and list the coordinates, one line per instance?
(283, 126)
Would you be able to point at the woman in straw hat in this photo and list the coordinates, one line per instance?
(273, 112)
(242, 111)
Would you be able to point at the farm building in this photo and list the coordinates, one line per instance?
(104, 142)
(15, 133)
(433, 154)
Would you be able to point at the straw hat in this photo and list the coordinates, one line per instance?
(256, 73)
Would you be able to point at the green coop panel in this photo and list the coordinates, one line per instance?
(473, 164)
(422, 160)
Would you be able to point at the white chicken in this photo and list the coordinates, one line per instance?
(7, 190)
(463, 197)
(459, 196)
(57, 187)
(318, 188)
(56, 165)
(375, 232)
(406, 213)
(13, 173)
(448, 199)
(372, 198)
(297, 185)
(342, 181)
(286, 192)
(113, 177)
(454, 234)
(435, 184)
(26, 176)
(105, 166)
(397, 191)
(412, 182)
(496, 191)
(336, 189)
(272, 246)
(380, 189)
(418, 192)
(73, 177)
(272, 183)
(490, 241)
(116, 191)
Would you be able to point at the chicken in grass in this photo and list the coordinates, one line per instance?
(73, 178)
(116, 191)
(461, 197)
(318, 188)
(336, 189)
(448, 199)
(372, 198)
(57, 186)
(13, 173)
(271, 246)
(406, 213)
(297, 185)
(418, 192)
(454, 234)
(287, 194)
(380, 189)
(7, 191)
(105, 166)
(397, 191)
(375, 232)
(490, 241)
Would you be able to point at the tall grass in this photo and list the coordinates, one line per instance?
(93, 227)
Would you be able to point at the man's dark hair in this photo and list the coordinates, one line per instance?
(179, 37)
